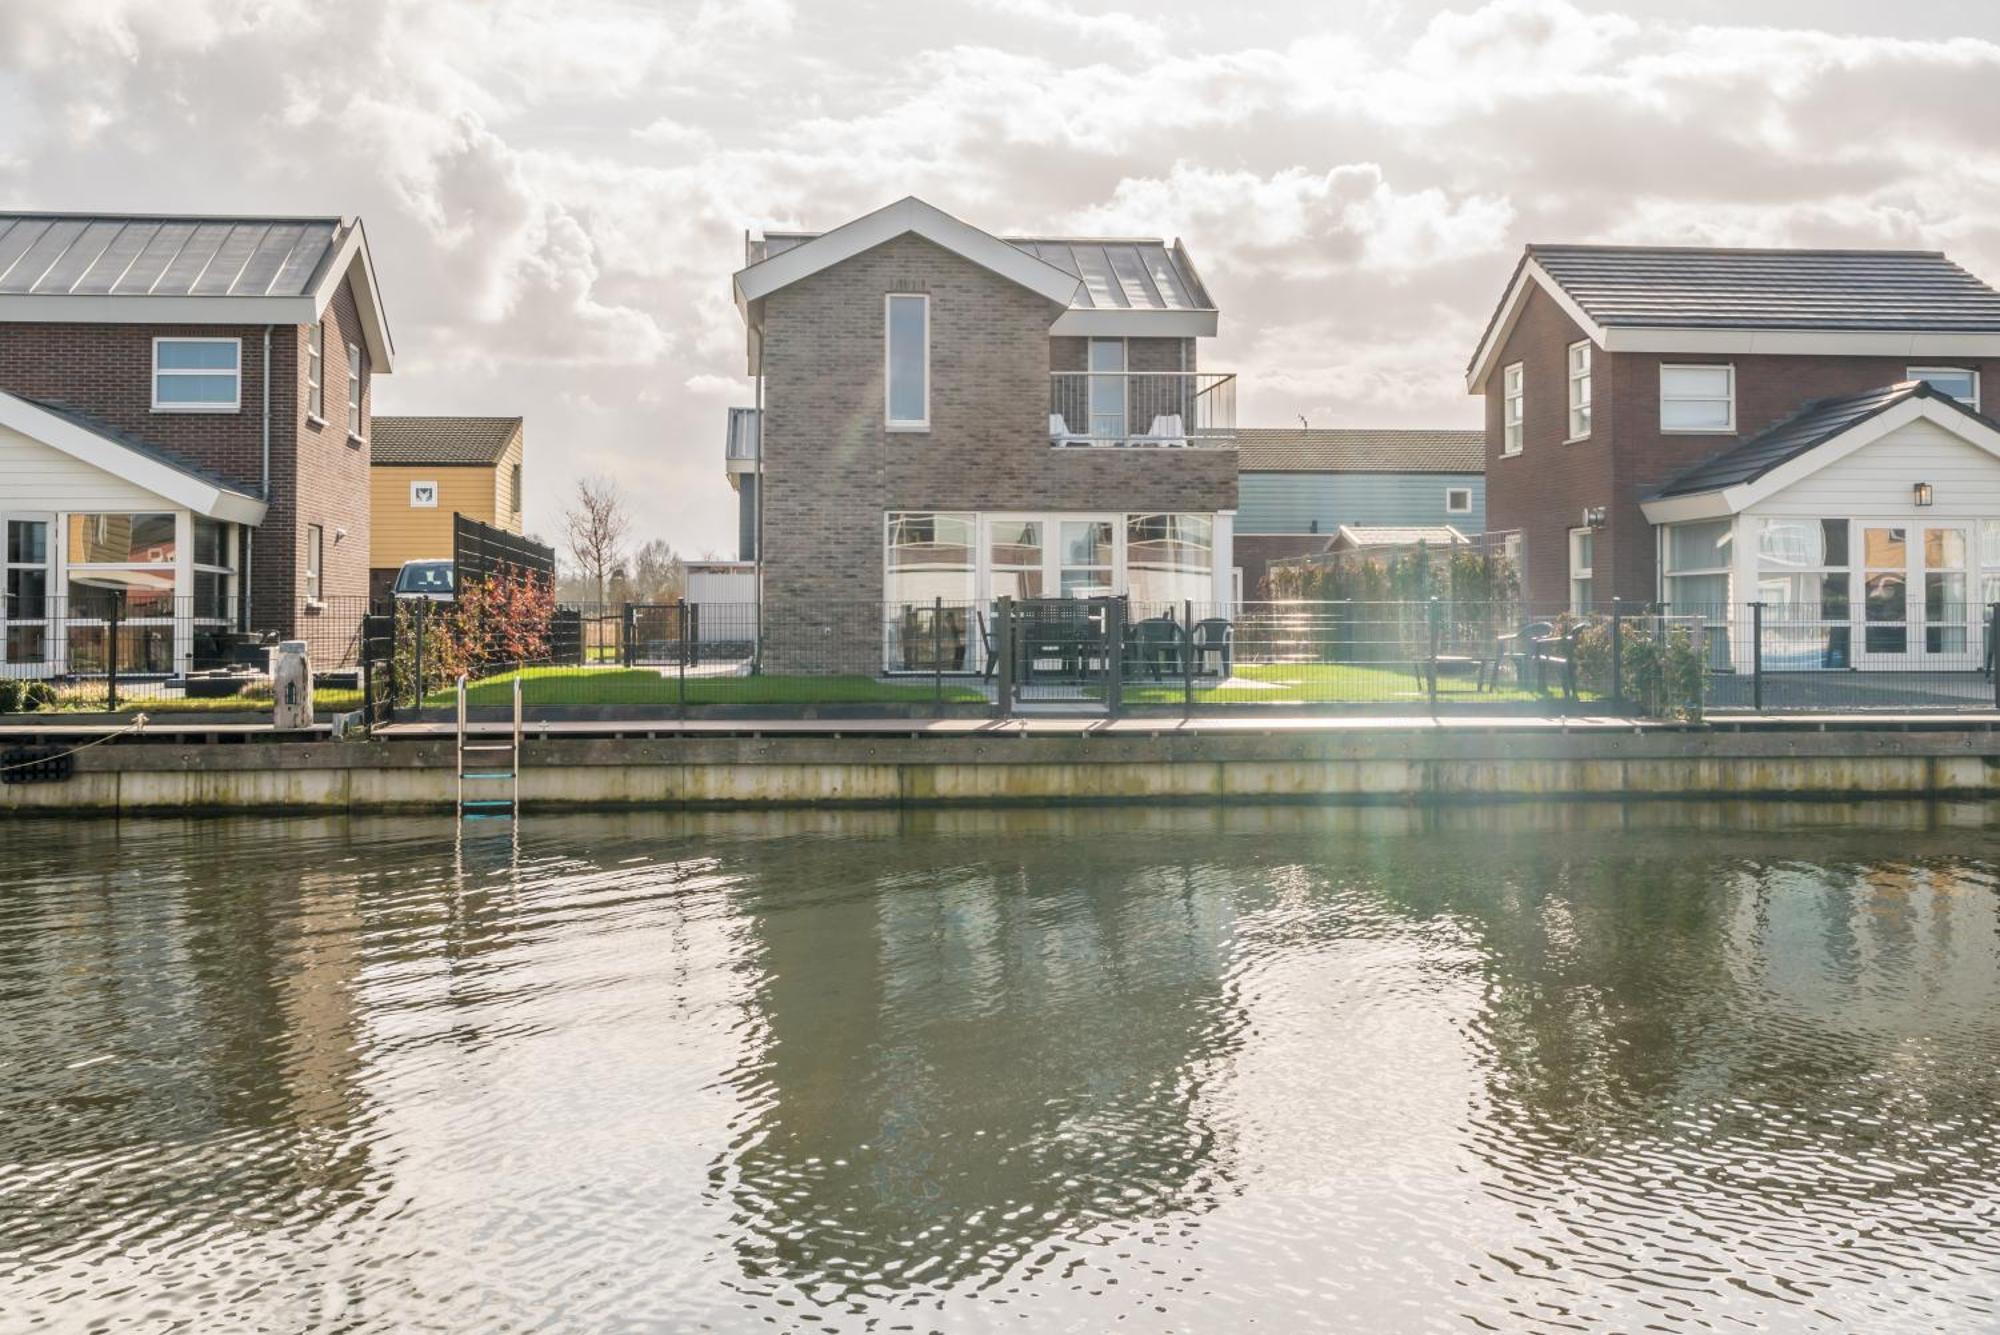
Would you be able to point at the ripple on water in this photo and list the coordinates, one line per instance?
(1169, 1070)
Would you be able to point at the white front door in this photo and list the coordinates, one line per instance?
(1915, 596)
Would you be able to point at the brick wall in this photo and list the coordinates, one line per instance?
(105, 371)
(1542, 491)
(831, 469)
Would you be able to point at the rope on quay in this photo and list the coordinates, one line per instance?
(138, 722)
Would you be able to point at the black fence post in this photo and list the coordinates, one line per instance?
(1617, 653)
(1114, 656)
(1436, 615)
(1003, 648)
(1757, 657)
(1993, 650)
(417, 686)
(681, 640)
(1187, 657)
(111, 658)
(937, 652)
(628, 634)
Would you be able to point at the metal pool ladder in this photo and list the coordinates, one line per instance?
(485, 760)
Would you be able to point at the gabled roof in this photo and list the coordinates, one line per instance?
(166, 269)
(1107, 285)
(1714, 299)
(1779, 455)
(139, 462)
(1358, 450)
(447, 441)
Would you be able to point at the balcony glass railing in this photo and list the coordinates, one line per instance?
(1144, 409)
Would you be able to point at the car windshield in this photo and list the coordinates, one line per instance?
(431, 577)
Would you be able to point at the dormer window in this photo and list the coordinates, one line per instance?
(197, 375)
(1962, 384)
(907, 361)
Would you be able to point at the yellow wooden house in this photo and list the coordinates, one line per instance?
(426, 469)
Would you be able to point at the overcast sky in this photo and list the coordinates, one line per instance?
(556, 193)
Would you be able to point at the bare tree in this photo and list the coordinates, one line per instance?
(594, 529)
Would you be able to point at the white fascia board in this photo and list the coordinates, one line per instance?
(1698, 505)
(141, 470)
(110, 309)
(353, 259)
(1532, 273)
(1801, 342)
(1115, 322)
(885, 224)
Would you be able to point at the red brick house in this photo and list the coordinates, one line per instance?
(184, 421)
(1712, 427)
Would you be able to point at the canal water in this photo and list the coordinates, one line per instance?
(1515, 1068)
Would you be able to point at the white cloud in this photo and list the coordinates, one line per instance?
(557, 193)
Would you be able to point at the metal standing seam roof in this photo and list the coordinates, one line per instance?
(1358, 450)
(1806, 430)
(442, 441)
(1112, 273)
(47, 254)
(1720, 288)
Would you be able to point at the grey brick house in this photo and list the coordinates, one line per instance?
(944, 413)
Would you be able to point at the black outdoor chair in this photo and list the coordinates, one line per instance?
(1153, 646)
(1519, 647)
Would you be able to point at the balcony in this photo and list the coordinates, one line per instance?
(740, 452)
(1165, 410)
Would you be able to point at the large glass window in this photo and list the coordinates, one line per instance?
(122, 563)
(908, 359)
(1107, 388)
(1014, 555)
(1089, 555)
(26, 608)
(1169, 560)
(1885, 584)
(1802, 580)
(1697, 398)
(197, 374)
(930, 558)
(1579, 390)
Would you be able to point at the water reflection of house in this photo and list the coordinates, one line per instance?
(966, 1056)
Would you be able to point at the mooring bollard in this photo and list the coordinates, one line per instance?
(291, 687)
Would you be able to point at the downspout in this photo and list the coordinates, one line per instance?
(264, 479)
(758, 519)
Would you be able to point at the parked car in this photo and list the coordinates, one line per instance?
(434, 581)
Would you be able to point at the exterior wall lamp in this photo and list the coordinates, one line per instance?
(1923, 493)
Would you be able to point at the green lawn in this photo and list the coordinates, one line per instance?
(639, 686)
(90, 699)
(1322, 683)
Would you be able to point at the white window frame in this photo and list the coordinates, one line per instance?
(315, 564)
(316, 372)
(1576, 572)
(1919, 372)
(889, 421)
(1513, 409)
(354, 392)
(234, 405)
(54, 534)
(1727, 430)
(1451, 509)
(1580, 406)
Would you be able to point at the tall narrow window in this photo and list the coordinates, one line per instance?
(315, 550)
(514, 488)
(316, 371)
(1698, 398)
(354, 391)
(1582, 572)
(1579, 390)
(908, 356)
(1107, 389)
(1513, 406)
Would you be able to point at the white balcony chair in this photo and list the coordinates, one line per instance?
(1167, 433)
(1060, 435)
